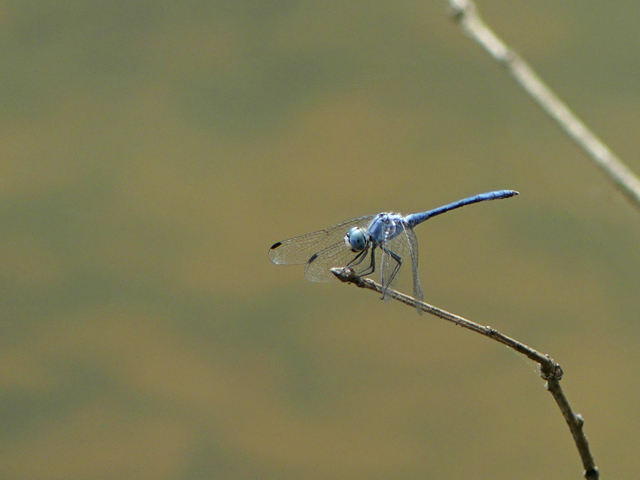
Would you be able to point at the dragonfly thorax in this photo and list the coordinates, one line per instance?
(357, 239)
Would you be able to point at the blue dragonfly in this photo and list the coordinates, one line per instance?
(381, 242)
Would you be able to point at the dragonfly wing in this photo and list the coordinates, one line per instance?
(319, 267)
(299, 250)
(413, 250)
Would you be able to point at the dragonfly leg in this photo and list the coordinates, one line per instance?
(357, 260)
(360, 258)
(396, 269)
(372, 266)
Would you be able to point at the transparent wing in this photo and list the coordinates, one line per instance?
(319, 267)
(413, 249)
(323, 245)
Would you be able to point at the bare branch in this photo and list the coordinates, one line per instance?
(549, 369)
(466, 13)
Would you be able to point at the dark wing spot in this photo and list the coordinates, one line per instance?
(276, 245)
(313, 257)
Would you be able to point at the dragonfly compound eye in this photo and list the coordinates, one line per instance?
(356, 239)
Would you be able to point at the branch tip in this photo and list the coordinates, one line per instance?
(549, 369)
(592, 473)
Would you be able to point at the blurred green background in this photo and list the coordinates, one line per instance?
(152, 151)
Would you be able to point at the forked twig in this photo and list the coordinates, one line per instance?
(466, 13)
(549, 369)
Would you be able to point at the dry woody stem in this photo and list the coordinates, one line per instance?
(549, 369)
(466, 13)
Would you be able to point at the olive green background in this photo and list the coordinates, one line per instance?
(152, 151)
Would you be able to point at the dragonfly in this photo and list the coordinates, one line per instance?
(372, 243)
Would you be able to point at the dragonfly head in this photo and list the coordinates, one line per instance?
(357, 239)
